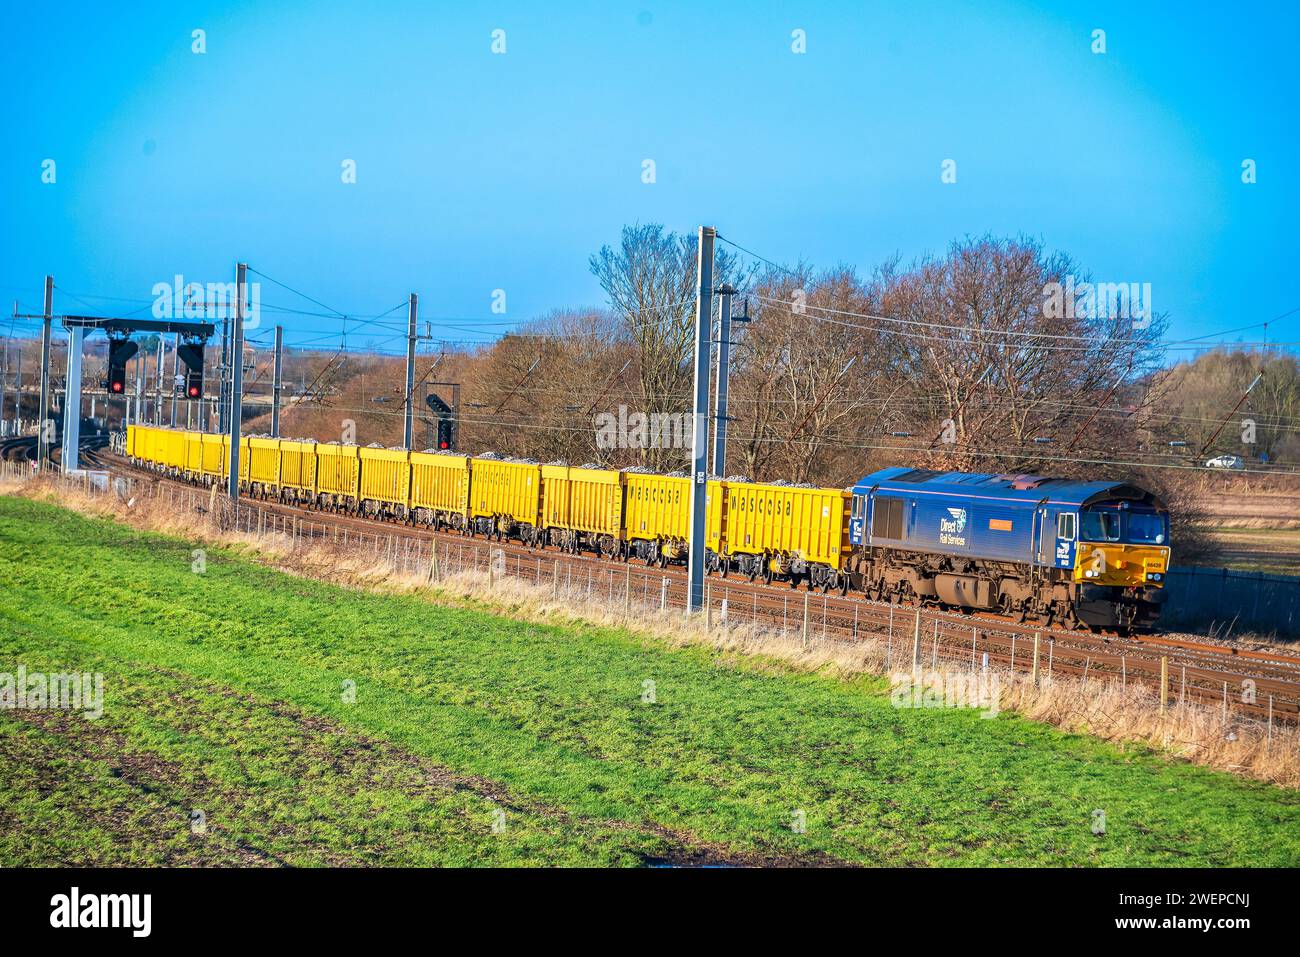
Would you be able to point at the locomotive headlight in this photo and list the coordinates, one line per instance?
(1154, 576)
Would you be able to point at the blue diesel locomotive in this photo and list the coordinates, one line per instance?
(1079, 554)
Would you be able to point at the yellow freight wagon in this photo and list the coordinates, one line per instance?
(657, 515)
(583, 507)
(193, 466)
(244, 459)
(789, 531)
(215, 451)
(297, 469)
(386, 479)
(173, 450)
(137, 442)
(337, 474)
(262, 470)
(440, 488)
(145, 443)
(505, 498)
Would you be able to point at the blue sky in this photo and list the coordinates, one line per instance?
(478, 171)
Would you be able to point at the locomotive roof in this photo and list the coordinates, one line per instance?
(1022, 488)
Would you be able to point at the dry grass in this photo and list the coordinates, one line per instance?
(1127, 716)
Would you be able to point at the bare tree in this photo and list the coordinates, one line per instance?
(650, 281)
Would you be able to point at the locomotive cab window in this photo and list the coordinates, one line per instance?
(1101, 526)
(1065, 526)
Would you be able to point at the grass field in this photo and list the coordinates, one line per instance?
(310, 724)
(1274, 551)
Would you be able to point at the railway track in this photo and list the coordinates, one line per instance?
(1243, 682)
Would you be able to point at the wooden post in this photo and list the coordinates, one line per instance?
(805, 619)
(627, 594)
(1037, 637)
(1164, 681)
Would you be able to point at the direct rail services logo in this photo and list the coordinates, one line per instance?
(134, 911)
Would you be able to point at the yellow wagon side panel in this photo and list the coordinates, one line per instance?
(386, 476)
(214, 453)
(808, 522)
(298, 465)
(173, 450)
(506, 488)
(596, 501)
(194, 453)
(144, 443)
(657, 506)
(263, 461)
(245, 457)
(713, 515)
(555, 496)
(337, 469)
(440, 482)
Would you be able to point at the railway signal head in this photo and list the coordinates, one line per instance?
(119, 352)
(444, 435)
(192, 355)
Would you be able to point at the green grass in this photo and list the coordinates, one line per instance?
(223, 693)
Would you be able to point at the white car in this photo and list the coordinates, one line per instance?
(1226, 462)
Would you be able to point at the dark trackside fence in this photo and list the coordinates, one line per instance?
(1232, 602)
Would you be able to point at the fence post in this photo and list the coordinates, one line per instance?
(1164, 680)
(627, 594)
(804, 640)
(1035, 668)
(708, 606)
(916, 641)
